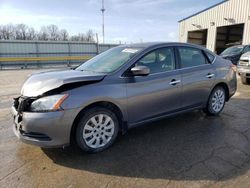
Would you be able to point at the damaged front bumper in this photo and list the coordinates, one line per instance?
(46, 129)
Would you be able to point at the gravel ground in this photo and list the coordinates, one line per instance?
(189, 150)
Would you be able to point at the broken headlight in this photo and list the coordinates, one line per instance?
(50, 103)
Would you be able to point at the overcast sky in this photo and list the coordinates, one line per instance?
(126, 20)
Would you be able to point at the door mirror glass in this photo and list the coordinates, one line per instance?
(140, 71)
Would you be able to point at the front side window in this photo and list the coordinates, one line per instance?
(191, 57)
(160, 60)
(110, 60)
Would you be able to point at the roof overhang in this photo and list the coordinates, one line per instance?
(203, 10)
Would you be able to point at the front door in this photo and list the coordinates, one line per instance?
(158, 93)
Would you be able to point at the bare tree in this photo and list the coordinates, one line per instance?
(7, 32)
(64, 35)
(31, 34)
(75, 38)
(82, 37)
(90, 36)
(21, 32)
(43, 34)
(1, 35)
(53, 32)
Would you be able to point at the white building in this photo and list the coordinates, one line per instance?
(218, 27)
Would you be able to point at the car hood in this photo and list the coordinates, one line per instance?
(40, 83)
(229, 56)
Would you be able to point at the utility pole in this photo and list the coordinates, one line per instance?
(103, 10)
(97, 44)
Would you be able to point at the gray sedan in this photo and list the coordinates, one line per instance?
(119, 89)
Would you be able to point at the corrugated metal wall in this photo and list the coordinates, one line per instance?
(239, 10)
(10, 49)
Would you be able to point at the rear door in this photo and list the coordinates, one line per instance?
(198, 74)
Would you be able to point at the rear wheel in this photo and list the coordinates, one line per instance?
(216, 101)
(97, 130)
(245, 80)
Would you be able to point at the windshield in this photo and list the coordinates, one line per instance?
(233, 50)
(110, 60)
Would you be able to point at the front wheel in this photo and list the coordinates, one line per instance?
(97, 130)
(216, 101)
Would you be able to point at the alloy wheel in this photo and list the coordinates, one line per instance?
(98, 131)
(218, 100)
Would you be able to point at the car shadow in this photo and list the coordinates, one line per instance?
(190, 146)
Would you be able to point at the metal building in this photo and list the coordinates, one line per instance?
(218, 27)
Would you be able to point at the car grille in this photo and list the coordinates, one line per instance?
(35, 135)
(22, 103)
(244, 63)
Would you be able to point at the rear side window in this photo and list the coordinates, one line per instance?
(191, 57)
(210, 57)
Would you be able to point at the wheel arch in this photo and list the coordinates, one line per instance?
(105, 104)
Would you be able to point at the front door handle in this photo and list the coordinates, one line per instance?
(209, 75)
(174, 82)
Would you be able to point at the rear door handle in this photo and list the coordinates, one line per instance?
(209, 75)
(174, 82)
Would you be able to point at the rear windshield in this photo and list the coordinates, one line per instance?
(233, 50)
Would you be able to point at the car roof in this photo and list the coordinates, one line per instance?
(156, 44)
(238, 46)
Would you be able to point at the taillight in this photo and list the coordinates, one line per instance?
(234, 67)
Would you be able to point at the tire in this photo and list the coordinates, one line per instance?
(216, 101)
(93, 136)
(245, 80)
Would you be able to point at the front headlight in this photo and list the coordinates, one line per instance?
(50, 103)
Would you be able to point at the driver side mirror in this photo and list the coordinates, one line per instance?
(140, 71)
